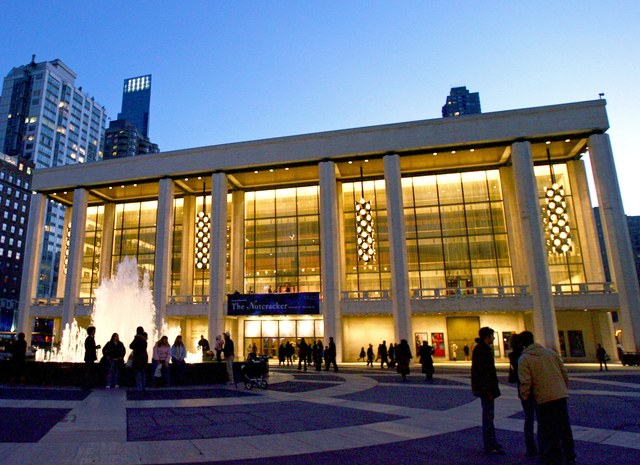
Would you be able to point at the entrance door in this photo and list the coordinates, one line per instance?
(461, 330)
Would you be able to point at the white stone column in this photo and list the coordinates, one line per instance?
(400, 300)
(616, 235)
(31, 263)
(76, 255)
(237, 241)
(66, 229)
(330, 255)
(217, 263)
(106, 251)
(585, 222)
(512, 215)
(164, 247)
(188, 245)
(544, 317)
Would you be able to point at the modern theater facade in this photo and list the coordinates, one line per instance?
(424, 230)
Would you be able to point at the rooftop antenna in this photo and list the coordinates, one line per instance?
(601, 94)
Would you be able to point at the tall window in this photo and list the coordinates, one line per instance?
(176, 248)
(282, 240)
(134, 234)
(92, 251)
(565, 268)
(456, 233)
(372, 275)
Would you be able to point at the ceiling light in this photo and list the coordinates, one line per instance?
(548, 142)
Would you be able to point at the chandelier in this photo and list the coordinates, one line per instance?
(65, 268)
(203, 236)
(364, 228)
(556, 218)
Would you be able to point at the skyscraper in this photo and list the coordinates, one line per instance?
(15, 181)
(45, 118)
(461, 102)
(129, 134)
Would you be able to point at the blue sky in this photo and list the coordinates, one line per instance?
(227, 71)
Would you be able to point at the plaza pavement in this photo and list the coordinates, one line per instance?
(356, 416)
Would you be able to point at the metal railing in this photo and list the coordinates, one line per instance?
(470, 292)
(366, 295)
(188, 299)
(583, 288)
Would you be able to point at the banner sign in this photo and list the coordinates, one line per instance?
(290, 303)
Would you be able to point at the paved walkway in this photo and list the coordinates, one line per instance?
(356, 416)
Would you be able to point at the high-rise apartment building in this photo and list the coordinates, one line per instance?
(461, 102)
(15, 181)
(129, 134)
(45, 118)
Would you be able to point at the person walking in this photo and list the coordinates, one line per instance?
(90, 356)
(392, 355)
(113, 353)
(330, 355)
(139, 358)
(544, 377)
(484, 384)
(383, 354)
(318, 354)
(466, 351)
(281, 354)
(403, 358)
(203, 345)
(178, 359)
(426, 360)
(370, 355)
(528, 405)
(229, 354)
(303, 348)
(602, 356)
(362, 355)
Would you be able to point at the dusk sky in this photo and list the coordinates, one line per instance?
(228, 71)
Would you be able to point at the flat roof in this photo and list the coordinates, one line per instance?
(458, 143)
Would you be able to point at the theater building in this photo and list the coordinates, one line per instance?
(424, 230)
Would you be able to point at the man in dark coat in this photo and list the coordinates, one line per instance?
(383, 354)
(484, 384)
(330, 356)
(90, 356)
(18, 358)
(303, 349)
(140, 358)
(426, 360)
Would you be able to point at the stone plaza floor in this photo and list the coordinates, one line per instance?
(356, 416)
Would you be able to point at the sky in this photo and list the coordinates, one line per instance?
(229, 71)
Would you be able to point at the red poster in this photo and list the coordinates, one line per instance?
(437, 342)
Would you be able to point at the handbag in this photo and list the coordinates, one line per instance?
(158, 372)
(130, 360)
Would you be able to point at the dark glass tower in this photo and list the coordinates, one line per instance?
(461, 102)
(136, 99)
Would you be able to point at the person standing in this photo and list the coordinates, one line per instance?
(318, 353)
(403, 358)
(203, 345)
(330, 355)
(484, 384)
(281, 354)
(90, 357)
(178, 359)
(113, 352)
(229, 354)
(289, 351)
(466, 351)
(392, 355)
(303, 348)
(601, 355)
(218, 348)
(528, 405)
(544, 377)
(161, 359)
(454, 352)
(370, 355)
(140, 358)
(19, 358)
(426, 360)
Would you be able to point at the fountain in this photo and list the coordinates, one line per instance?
(121, 304)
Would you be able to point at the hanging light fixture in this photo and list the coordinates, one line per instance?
(203, 235)
(364, 228)
(66, 249)
(555, 217)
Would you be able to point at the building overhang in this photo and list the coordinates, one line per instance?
(431, 146)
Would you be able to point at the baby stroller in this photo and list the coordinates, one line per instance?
(255, 372)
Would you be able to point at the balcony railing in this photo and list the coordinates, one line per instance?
(583, 288)
(469, 292)
(366, 295)
(188, 299)
(47, 301)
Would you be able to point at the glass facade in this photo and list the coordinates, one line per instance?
(92, 251)
(282, 240)
(134, 234)
(375, 275)
(267, 335)
(456, 231)
(565, 268)
(176, 247)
